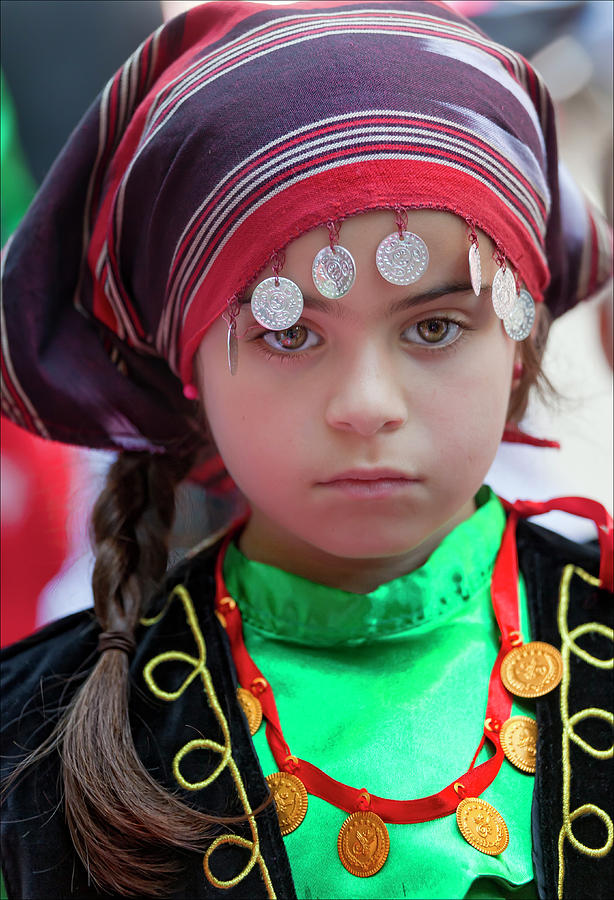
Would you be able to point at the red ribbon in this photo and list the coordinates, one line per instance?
(504, 590)
(516, 436)
(586, 509)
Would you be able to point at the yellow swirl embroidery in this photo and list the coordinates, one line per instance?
(200, 670)
(568, 647)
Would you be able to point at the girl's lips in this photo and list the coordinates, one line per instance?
(371, 475)
(370, 483)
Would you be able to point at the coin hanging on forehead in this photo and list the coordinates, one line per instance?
(519, 322)
(475, 269)
(532, 670)
(518, 738)
(277, 306)
(290, 798)
(232, 349)
(333, 271)
(363, 843)
(503, 292)
(252, 708)
(482, 826)
(402, 261)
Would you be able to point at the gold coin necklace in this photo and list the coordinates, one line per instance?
(252, 707)
(363, 843)
(518, 737)
(482, 826)
(532, 670)
(290, 798)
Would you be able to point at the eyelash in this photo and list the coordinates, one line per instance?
(288, 357)
(295, 356)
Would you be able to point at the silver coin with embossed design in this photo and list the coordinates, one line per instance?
(503, 292)
(277, 306)
(333, 271)
(520, 321)
(475, 269)
(402, 261)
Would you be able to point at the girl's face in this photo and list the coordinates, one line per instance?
(363, 432)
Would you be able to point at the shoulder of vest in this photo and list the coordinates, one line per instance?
(39, 674)
(54, 653)
(51, 637)
(552, 550)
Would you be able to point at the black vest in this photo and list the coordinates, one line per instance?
(573, 787)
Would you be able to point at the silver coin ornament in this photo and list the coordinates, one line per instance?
(333, 271)
(504, 292)
(402, 261)
(520, 321)
(277, 306)
(475, 269)
(232, 347)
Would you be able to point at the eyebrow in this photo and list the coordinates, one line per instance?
(329, 307)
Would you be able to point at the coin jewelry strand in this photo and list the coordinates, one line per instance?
(526, 670)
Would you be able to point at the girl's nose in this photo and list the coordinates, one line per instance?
(368, 396)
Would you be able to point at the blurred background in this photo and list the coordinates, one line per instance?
(57, 55)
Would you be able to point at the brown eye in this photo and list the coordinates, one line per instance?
(433, 330)
(292, 338)
(438, 332)
(297, 337)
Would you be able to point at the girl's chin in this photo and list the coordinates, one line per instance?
(366, 546)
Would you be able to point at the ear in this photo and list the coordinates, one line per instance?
(520, 386)
(527, 369)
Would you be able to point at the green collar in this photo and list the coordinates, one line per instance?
(287, 607)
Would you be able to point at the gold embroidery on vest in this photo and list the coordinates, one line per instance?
(200, 670)
(568, 647)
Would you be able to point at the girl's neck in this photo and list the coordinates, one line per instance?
(262, 541)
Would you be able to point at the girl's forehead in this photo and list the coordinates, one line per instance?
(445, 234)
(443, 231)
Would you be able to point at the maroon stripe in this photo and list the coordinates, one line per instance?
(112, 113)
(533, 87)
(28, 420)
(145, 63)
(111, 269)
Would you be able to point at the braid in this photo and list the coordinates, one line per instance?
(123, 824)
(130, 527)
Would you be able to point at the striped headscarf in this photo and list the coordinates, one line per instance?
(234, 129)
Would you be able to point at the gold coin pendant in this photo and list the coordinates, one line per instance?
(482, 826)
(290, 798)
(363, 843)
(532, 670)
(252, 708)
(518, 738)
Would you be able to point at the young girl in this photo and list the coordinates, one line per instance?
(309, 241)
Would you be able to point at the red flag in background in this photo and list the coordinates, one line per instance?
(36, 478)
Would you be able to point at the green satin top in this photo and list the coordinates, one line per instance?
(387, 691)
